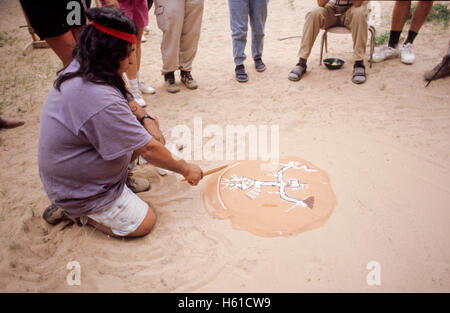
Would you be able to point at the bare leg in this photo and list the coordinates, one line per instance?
(138, 47)
(132, 69)
(143, 229)
(420, 15)
(63, 46)
(400, 15)
(136, 59)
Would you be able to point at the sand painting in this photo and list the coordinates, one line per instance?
(274, 198)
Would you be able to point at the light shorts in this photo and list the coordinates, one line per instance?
(125, 215)
(137, 10)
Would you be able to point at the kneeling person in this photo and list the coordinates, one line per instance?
(88, 133)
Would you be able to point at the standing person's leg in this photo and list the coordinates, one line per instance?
(258, 16)
(239, 11)
(170, 17)
(147, 28)
(419, 17)
(132, 73)
(140, 17)
(63, 46)
(400, 15)
(189, 40)
(49, 22)
(356, 19)
(319, 18)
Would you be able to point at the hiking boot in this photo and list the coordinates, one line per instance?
(187, 80)
(443, 68)
(407, 53)
(137, 184)
(169, 78)
(53, 214)
(385, 53)
(259, 65)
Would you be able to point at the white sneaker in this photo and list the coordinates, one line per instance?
(147, 29)
(145, 89)
(143, 39)
(137, 95)
(385, 53)
(407, 53)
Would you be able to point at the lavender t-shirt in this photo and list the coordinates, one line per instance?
(86, 138)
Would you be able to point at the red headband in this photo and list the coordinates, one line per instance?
(116, 33)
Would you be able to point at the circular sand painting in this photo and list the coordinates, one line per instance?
(270, 198)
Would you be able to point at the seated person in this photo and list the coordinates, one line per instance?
(400, 15)
(88, 133)
(348, 13)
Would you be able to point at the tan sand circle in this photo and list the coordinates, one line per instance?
(273, 198)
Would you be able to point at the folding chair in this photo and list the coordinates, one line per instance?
(36, 42)
(345, 30)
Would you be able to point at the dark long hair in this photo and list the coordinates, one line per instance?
(99, 54)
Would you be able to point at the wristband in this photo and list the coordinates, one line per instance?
(144, 117)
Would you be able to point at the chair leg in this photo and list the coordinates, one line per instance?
(372, 44)
(326, 42)
(321, 47)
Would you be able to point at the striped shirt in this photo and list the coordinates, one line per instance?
(341, 5)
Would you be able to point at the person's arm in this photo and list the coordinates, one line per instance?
(357, 3)
(112, 3)
(155, 153)
(152, 126)
(322, 3)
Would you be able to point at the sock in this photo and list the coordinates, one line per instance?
(411, 36)
(133, 83)
(394, 38)
(359, 63)
(137, 76)
(302, 62)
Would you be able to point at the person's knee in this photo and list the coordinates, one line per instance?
(359, 13)
(146, 226)
(316, 13)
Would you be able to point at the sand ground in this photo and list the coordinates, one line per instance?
(385, 146)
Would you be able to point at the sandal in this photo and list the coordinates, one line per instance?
(297, 73)
(359, 74)
(241, 75)
(259, 65)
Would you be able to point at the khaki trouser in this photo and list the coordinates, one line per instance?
(180, 21)
(355, 18)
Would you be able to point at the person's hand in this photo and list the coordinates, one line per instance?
(112, 3)
(193, 174)
(321, 3)
(152, 126)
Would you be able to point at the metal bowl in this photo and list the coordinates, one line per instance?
(333, 63)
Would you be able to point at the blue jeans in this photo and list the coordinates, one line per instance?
(240, 10)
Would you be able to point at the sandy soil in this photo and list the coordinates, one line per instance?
(384, 146)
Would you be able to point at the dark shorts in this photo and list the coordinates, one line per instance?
(49, 18)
